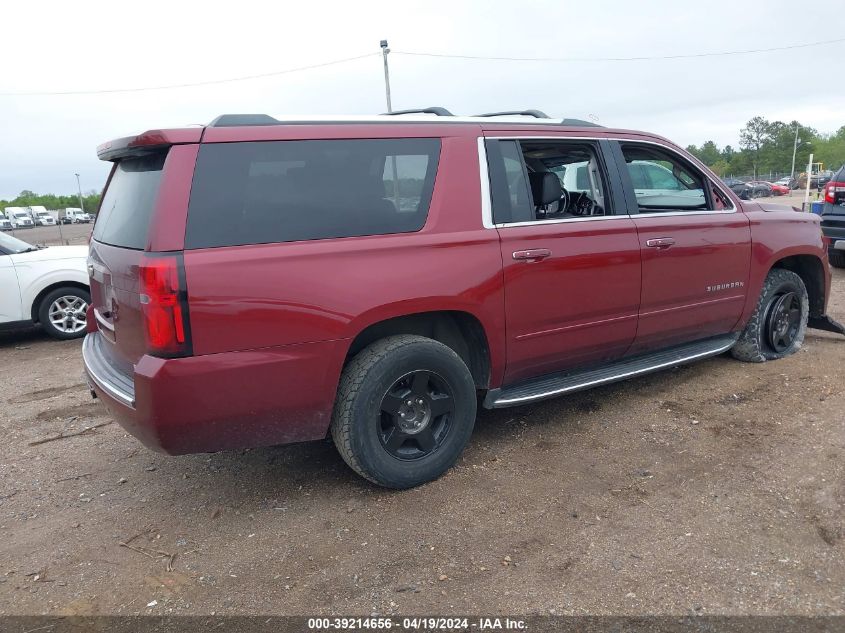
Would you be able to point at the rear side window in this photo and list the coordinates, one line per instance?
(508, 182)
(124, 216)
(284, 191)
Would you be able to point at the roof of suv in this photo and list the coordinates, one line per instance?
(225, 127)
(440, 115)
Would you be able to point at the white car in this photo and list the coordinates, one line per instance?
(43, 285)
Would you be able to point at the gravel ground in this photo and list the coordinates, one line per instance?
(54, 235)
(717, 488)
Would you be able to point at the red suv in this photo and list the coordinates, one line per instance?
(259, 282)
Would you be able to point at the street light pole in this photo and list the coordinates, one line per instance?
(384, 52)
(794, 151)
(79, 188)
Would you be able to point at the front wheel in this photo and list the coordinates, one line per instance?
(837, 259)
(62, 312)
(404, 412)
(777, 327)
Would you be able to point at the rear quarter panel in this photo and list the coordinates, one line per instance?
(778, 232)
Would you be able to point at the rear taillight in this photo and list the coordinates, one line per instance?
(164, 304)
(831, 189)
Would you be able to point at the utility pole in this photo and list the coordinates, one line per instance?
(384, 52)
(794, 151)
(807, 190)
(79, 188)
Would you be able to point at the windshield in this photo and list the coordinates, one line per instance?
(13, 245)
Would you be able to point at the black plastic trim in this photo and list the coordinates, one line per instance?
(430, 110)
(537, 114)
(239, 120)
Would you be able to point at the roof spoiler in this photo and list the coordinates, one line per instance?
(148, 142)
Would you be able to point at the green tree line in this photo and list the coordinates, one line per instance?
(766, 147)
(27, 198)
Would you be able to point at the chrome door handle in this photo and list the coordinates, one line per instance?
(532, 255)
(660, 242)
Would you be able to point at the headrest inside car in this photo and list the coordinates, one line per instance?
(545, 188)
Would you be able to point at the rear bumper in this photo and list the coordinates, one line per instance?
(221, 401)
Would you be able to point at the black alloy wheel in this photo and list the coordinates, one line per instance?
(783, 320)
(416, 415)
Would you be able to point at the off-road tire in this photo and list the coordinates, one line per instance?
(753, 346)
(366, 380)
(837, 259)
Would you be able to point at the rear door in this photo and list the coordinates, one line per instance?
(695, 245)
(571, 268)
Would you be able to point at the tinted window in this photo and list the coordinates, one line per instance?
(663, 181)
(127, 206)
(283, 191)
(508, 184)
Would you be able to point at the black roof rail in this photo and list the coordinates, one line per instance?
(579, 123)
(431, 110)
(237, 120)
(537, 114)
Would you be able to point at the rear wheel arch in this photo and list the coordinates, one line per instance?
(36, 303)
(461, 331)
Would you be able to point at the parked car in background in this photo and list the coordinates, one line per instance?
(778, 189)
(833, 218)
(46, 285)
(385, 274)
(820, 179)
(5, 223)
(760, 189)
(739, 187)
(41, 216)
(789, 183)
(19, 217)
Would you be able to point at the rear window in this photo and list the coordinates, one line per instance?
(284, 191)
(124, 217)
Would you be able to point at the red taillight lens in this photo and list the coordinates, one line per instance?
(164, 306)
(831, 189)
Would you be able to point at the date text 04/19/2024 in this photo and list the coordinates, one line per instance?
(418, 623)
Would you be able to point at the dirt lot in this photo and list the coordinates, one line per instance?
(54, 235)
(714, 488)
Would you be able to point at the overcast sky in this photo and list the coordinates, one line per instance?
(94, 45)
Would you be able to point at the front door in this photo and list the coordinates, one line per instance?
(571, 266)
(696, 248)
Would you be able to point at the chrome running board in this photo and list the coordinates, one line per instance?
(553, 385)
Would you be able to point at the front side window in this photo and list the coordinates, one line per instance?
(284, 191)
(663, 181)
